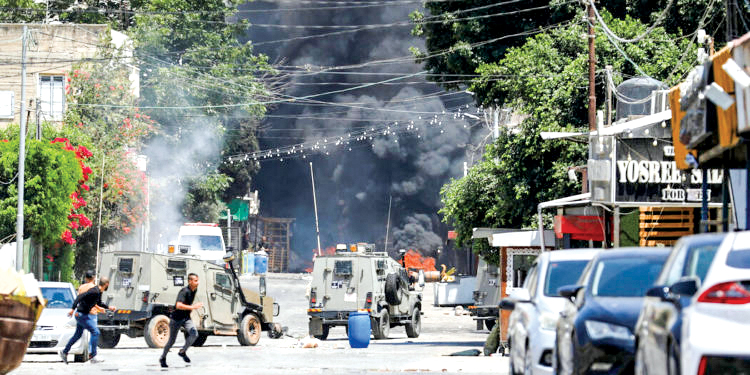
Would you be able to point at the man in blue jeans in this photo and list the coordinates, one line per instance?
(85, 320)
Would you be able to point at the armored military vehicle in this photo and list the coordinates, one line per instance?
(486, 296)
(357, 278)
(144, 287)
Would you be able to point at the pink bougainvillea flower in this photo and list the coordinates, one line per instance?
(67, 236)
(85, 187)
(82, 152)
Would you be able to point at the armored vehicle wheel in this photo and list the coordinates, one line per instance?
(392, 289)
(381, 326)
(157, 331)
(201, 339)
(489, 323)
(249, 332)
(108, 339)
(414, 327)
(324, 335)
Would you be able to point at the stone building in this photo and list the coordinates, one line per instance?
(52, 50)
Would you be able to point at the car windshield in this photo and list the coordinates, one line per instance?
(58, 297)
(562, 273)
(624, 277)
(197, 242)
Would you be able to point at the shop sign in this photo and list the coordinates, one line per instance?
(645, 173)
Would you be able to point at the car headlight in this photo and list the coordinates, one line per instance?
(70, 324)
(600, 330)
(548, 321)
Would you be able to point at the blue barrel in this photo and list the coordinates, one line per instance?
(261, 262)
(359, 329)
(248, 262)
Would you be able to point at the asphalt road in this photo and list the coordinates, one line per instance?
(443, 333)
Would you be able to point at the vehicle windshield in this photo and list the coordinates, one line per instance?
(624, 277)
(198, 242)
(58, 297)
(562, 273)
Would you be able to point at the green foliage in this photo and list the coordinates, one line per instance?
(111, 12)
(51, 176)
(115, 136)
(547, 81)
(196, 59)
(203, 200)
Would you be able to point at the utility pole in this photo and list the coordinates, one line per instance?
(592, 69)
(732, 8)
(21, 156)
(315, 203)
(609, 85)
(38, 120)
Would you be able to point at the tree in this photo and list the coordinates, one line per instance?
(468, 34)
(546, 79)
(213, 84)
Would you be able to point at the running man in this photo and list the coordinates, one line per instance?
(181, 319)
(82, 308)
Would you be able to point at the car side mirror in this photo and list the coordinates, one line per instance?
(660, 292)
(685, 287)
(520, 295)
(506, 304)
(569, 291)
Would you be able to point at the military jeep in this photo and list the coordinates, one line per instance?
(144, 287)
(486, 297)
(357, 278)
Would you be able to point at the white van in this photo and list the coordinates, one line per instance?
(201, 240)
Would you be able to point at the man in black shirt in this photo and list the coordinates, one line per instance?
(82, 307)
(181, 318)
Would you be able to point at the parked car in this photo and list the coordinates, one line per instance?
(716, 326)
(659, 326)
(54, 327)
(595, 329)
(536, 308)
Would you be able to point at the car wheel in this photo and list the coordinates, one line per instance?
(674, 360)
(381, 326)
(201, 339)
(489, 324)
(414, 327)
(249, 332)
(84, 356)
(157, 331)
(108, 339)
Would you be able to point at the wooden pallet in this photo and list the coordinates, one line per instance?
(664, 225)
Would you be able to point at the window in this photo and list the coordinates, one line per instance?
(223, 281)
(562, 273)
(690, 260)
(125, 265)
(342, 268)
(625, 277)
(519, 261)
(52, 97)
(61, 298)
(201, 242)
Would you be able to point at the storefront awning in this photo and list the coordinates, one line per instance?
(522, 238)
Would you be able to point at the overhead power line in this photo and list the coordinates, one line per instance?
(648, 31)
